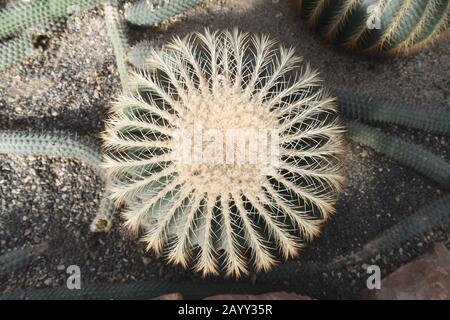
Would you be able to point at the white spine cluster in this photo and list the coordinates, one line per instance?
(225, 215)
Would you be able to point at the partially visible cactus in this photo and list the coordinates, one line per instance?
(430, 217)
(60, 144)
(56, 144)
(24, 15)
(117, 34)
(137, 55)
(374, 110)
(152, 12)
(16, 259)
(26, 45)
(225, 82)
(378, 26)
(409, 154)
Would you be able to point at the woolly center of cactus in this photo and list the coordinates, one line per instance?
(225, 143)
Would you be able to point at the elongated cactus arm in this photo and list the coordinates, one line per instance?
(117, 34)
(16, 50)
(57, 144)
(23, 47)
(408, 154)
(60, 144)
(146, 13)
(368, 109)
(427, 218)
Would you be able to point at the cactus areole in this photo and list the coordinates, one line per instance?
(378, 27)
(226, 152)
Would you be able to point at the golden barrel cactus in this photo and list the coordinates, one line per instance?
(378, 27)
(225, 152)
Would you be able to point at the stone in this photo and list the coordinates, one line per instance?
(425, 278)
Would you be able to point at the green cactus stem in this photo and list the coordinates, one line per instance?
(378, 26)
(408, 154)
(148, 13)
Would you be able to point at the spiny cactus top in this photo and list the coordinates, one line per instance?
(225, 152)
(378, 26)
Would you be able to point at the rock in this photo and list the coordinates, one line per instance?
(266, 296)
(426, 278)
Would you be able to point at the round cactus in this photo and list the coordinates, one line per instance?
(226, 152)
(378, 26)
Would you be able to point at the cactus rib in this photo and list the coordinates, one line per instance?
(409, 154)
(368, 109)
(146, 13)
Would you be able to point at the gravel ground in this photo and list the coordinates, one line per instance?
(70, 86)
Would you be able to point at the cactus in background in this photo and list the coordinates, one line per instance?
(56, 144)
(16, 50)
(225, 81)
(368, 109)
(409, 154)
(60, 144)
(26, 45)
(433, 216)
(18, 258)
(378, 26)
(117, 34)
(152, 12)
(136, 56)
(24, 15)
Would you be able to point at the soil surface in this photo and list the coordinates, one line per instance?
(70, 85)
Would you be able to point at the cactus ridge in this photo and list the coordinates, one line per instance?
(404, 25)
(368, 109)
(429, 217)
(409, 154)
(152, 12)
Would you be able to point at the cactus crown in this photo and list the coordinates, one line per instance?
(378, 26)
(196, 195)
